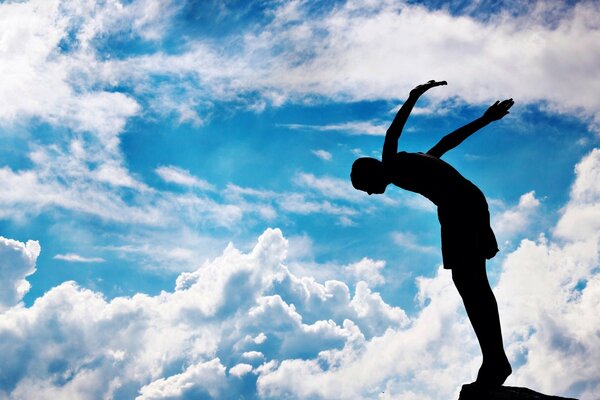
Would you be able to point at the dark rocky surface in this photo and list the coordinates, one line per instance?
(472, 392)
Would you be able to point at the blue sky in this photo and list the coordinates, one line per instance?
(184, 169)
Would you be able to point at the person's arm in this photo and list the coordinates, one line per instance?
(451, 140)
(390, 144)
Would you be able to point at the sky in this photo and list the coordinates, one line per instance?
(177, 219)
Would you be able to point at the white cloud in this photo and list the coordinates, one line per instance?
(17, 261)
(409, 241)
(374, 51)
(411, 359)
(88, 347)
(71, 257)
(549, 291)
(300, 247)
(333, 298)
(38, 80)
(33, 191)
(64, 180)
(200, 380)
(131, 344)
(581, 217)
(114, 174)
(548, 296)
(182, 177)
(240, 369)
(350, 128)
(50, 73)
(253, 355)
(236, 191)
(367, 270)
(517, 219)
(323, 154)
(333, 188)
(321, 195)
(300, 204)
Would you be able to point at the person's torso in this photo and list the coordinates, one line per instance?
(433, 178)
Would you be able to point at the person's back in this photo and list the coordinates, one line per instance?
(430, 177)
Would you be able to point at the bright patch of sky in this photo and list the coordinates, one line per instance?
(181, 170)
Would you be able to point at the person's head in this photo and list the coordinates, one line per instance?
(368, 175)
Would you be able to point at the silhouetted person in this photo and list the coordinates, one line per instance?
(467, 238)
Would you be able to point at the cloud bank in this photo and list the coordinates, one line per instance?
(543, 56)
(242, 323)
(546, 54)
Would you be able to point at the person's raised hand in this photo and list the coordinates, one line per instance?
(498, 110)
(419, 90)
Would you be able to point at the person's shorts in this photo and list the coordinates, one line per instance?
(466, 233)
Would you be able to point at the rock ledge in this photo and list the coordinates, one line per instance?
(472, 392)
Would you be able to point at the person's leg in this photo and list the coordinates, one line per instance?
(482, 310)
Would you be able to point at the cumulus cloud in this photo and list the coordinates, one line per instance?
(203, 380)
(166, 346)
(240, 369)
(399, 361)
(581, 216)
(243, 322)
(367, 270)
(17, 261)
(549, 291)
(516, 219)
